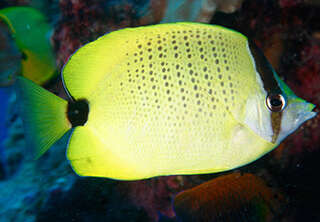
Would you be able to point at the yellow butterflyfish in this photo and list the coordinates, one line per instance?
(168, 99)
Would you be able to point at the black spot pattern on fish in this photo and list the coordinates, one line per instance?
(176, 80)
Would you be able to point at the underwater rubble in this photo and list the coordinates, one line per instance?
(48, 190)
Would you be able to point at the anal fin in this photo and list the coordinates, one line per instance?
(88, 156)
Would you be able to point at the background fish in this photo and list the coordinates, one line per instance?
(30, 31)
(182, 98)
(10, 57)
(233, 197)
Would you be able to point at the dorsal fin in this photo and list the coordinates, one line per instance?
(89, 64)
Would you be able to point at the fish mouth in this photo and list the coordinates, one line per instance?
(306, 112)
(302, 110)
(295, 114)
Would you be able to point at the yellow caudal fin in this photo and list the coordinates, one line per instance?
(88, 156)
(43, 114)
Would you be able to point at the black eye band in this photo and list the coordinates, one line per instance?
(275, 102)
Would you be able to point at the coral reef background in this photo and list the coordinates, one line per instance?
(48, 190)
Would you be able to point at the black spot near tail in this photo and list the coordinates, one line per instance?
(77, 112)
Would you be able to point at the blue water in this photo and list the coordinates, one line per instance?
(4, 99)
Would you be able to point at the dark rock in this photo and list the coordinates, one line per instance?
(90, 199)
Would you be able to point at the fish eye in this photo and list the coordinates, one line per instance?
(276, 102)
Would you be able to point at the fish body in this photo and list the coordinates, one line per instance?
(183, 98)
